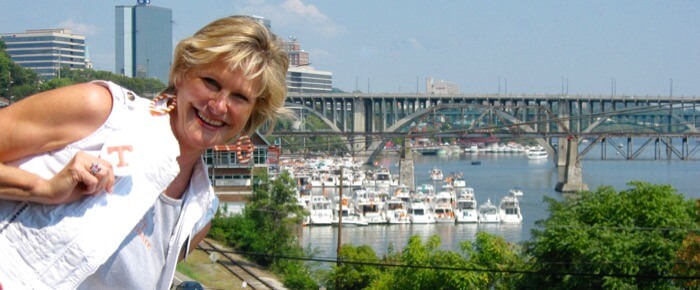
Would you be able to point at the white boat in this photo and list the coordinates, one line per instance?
(516, 191)
(419, 212)
(442, 208)
(369, 205)
(316, 180)
(379, 179)
(537, 152)
(350, 217)
(396, 211)
(426, 189)
(329, 180)
(320, 212)
(458, 181)
(488, 213)
(509, 210)
(472, 149)
(466, 206)
(435, 174)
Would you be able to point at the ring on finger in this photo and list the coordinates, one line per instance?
(95, 168)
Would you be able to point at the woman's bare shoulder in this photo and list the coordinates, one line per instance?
(53, 119)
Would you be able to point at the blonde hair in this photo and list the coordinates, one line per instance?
(242, 43)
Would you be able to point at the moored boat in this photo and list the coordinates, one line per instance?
(419, 212)
(488, 213)
(509, 210)
(466, 206)
(536, 153)
(320, 212)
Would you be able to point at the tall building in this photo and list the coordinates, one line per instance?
(297, 57)
(144, 41)
(46, 50)
(301, 77)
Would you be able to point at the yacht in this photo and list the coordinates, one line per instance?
(395, 211)
(320, 212)
(442, 208)
(488, 213)
(419, 212)
(466, 207)
(369, 205)
(426, 189)
(537, 152)
(458, 181)
(379, 179)
(516, 191)
(435, 174)
(510, 210)
(350, 217)
(472, 149)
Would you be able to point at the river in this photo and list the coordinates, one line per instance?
(491, 180)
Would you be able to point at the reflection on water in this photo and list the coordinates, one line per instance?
(379, 237)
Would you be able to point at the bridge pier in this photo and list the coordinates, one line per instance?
(406, 170)
(571, 179)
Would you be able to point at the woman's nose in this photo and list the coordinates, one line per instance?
(218, 104)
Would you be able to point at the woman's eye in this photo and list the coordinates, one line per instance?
(240, 97)
(211, 84)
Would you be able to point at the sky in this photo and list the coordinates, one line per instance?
(626, 47)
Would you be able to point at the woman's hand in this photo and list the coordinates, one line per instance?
(83, 175)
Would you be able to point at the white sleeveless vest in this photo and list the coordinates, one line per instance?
(57, 246)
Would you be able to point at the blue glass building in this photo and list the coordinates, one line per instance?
(143, 41)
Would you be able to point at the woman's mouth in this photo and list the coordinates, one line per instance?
(208, 121)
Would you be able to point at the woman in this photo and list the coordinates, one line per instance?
(67, 146)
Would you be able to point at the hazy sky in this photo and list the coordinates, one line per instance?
(393, 46)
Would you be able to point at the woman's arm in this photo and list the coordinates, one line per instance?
(49, 121)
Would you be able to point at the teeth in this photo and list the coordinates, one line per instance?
(209, 121)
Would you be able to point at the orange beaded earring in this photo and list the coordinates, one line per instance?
(158, 104)
(244, 146)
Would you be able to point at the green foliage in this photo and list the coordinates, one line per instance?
(266, 230)
(353, 275)
(425, 266)
(634, 232)
(313, 143)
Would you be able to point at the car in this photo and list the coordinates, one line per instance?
(189, 285)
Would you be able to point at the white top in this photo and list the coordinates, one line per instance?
(58, 246)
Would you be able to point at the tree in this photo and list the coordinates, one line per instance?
(689, 257)
(353, 275)
(425, 266)
(606, 239)
(266, 229)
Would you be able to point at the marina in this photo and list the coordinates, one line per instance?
(498, 175)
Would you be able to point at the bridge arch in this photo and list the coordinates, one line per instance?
(323, 118)
(376, 146)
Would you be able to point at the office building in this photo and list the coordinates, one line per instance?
(46, 50)
(305, 79)
(297, 57)
(440, 87)
(301, 77)
(143, 40)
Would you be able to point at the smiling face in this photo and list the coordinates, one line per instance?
(213, 106)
